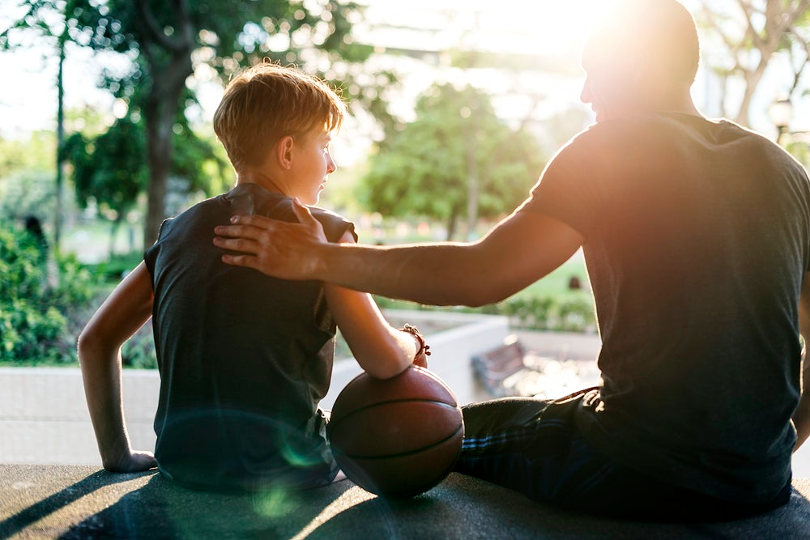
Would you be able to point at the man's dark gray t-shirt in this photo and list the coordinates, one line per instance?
(244, 359)
(697, 237)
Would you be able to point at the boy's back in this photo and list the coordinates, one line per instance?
(243, 358)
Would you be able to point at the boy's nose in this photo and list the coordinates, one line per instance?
(330, 166)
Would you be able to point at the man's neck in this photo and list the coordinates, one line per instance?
(680, 102)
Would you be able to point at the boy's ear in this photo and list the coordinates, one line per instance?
(284, 151)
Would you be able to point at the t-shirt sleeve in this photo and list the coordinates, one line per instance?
(334, 226)
(151, 253)
(568, 189)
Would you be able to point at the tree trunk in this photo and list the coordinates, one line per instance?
(159, 113)
(472, 186)
(114, 226)
(169, 60)
(452, 220)
(60, 142)
(752, 79)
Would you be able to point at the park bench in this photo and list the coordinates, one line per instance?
(500, 370)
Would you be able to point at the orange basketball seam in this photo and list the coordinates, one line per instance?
(402, 454)
(330, 425)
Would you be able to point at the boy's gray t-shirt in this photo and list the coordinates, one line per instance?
(697, 238)
(244, 359)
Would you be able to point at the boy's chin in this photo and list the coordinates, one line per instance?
(310, 201)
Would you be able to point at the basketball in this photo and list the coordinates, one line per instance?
(396, 437)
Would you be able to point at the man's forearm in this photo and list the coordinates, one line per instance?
(521, 249)
(438, 274)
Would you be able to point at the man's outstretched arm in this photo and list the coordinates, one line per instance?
(519, 250)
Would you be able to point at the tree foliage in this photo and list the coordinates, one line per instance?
(34, 316)
(110, 169)
(426, 168)
(26, 177)
(753, 33)
(168, 40)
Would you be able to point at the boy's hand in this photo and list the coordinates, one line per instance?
(421, 360)
(132, 462)
(277, 248)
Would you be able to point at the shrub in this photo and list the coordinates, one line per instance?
(34, 311)
(564, 312)
(117, 266)
(139, 350)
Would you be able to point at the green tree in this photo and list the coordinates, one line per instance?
(110, 169)
(35, 321)
(751, 35)
(171, 38)
(58, 31)
(457, 158)
(26, 176)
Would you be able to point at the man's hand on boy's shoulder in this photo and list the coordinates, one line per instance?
(277, 248)
(135, 461)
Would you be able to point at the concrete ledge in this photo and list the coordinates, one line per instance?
(44, 417)
(81, 501)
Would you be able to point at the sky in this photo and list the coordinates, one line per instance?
(28, 97)
(553, 28)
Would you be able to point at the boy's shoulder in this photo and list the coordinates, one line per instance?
(334, 225)
(251, 199)
(205, 210)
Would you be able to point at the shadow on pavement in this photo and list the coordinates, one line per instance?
(62, 499)
(161, 509)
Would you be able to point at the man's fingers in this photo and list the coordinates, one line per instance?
(242, 230)
(248, 261)
(261, 222)
(237, 244)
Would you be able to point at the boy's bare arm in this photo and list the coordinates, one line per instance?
(801, 418)
(120, 316)
(381, 350)
(521, 249)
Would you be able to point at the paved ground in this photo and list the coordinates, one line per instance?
(51, 501)
(83, 502)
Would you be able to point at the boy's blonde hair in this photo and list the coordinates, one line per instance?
(267, 102)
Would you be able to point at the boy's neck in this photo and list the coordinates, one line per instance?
(257, 177)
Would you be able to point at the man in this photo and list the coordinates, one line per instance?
(697, 239)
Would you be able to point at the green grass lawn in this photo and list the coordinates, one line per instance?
(554, 285)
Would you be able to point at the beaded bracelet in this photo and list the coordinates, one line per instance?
(414, 331)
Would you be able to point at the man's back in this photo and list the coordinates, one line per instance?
(697, 240)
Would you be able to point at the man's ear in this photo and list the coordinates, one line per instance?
(284, 151)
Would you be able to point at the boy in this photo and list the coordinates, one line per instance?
(243, 359)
